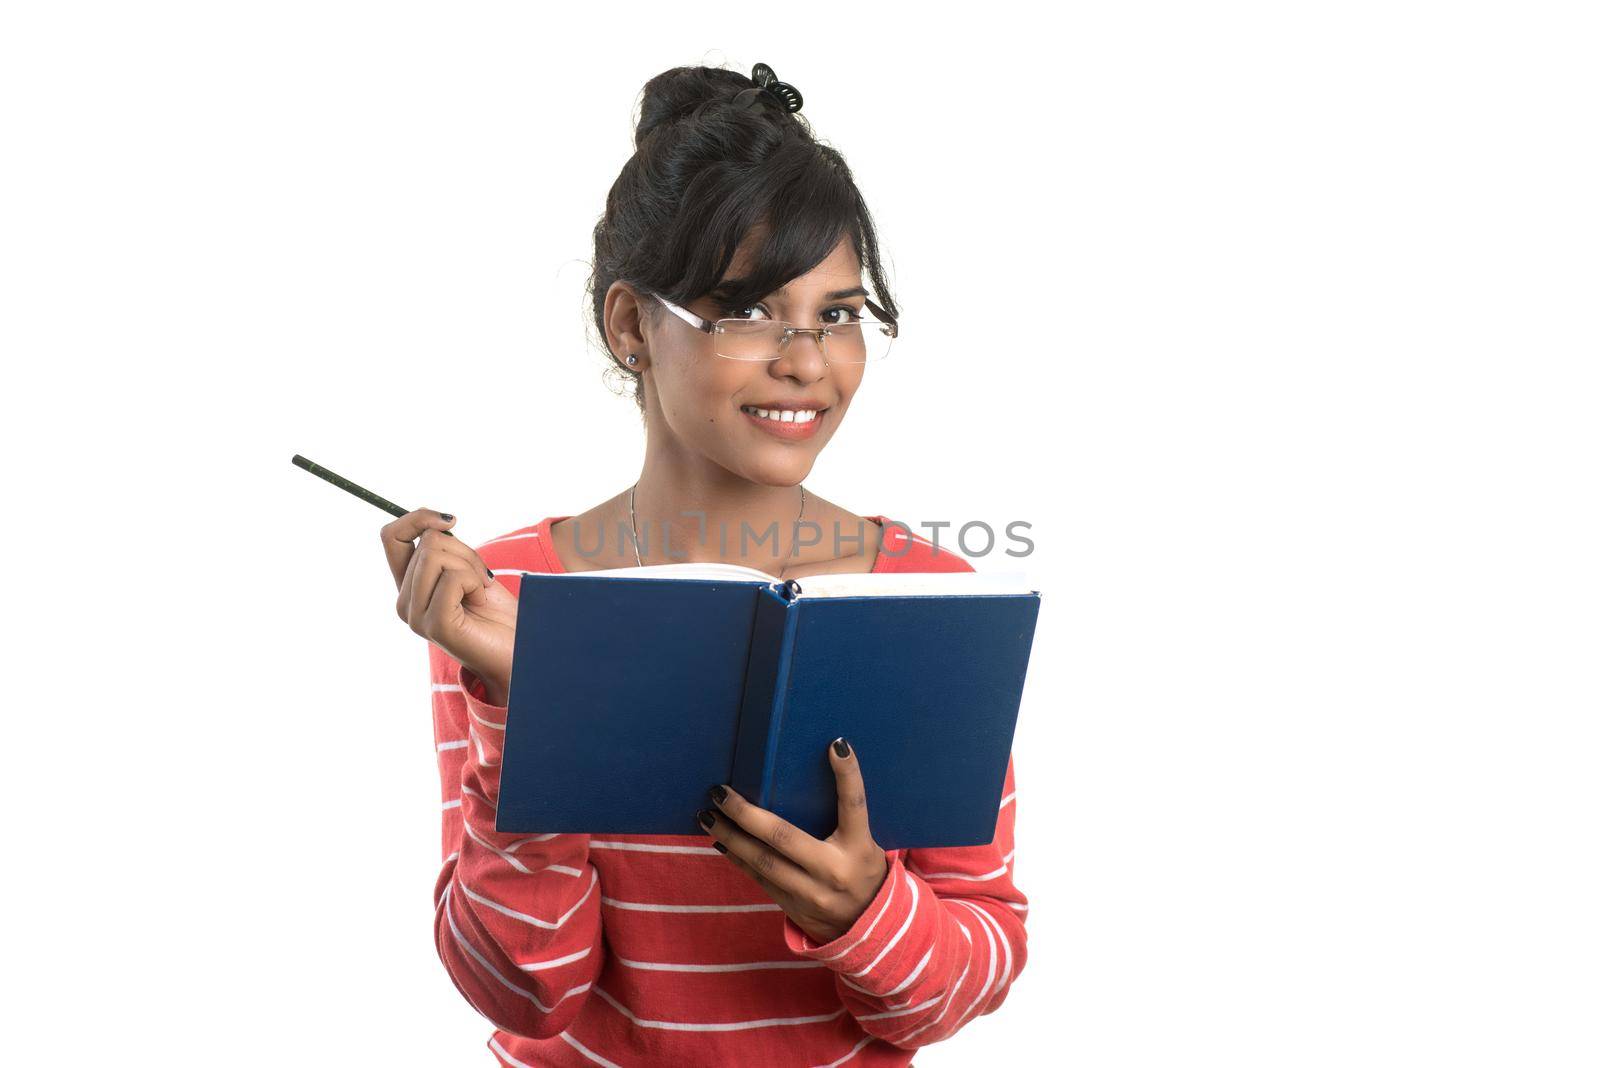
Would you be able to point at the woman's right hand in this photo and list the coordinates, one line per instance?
(448, 597)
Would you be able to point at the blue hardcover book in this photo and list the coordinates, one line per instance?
(634, 690)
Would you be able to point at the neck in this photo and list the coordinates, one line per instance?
(706, 513)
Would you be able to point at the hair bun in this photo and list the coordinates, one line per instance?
(677, 94)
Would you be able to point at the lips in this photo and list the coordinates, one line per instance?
(787, 423)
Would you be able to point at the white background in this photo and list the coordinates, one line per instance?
(1277, 322)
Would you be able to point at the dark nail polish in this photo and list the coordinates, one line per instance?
(706, 818)
(719, 847)
(719, 793)
(446, 516)
(491, 576)
(841, 747)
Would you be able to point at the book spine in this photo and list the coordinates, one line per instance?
(761, 709)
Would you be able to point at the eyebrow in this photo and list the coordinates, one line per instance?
(837, 294)
(730, 284)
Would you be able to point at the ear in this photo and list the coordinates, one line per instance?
(625, 323)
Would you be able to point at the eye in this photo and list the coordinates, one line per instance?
(739, 313)
(850, 315)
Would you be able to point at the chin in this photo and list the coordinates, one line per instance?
(778, 472)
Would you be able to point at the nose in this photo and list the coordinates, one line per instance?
(802, 358)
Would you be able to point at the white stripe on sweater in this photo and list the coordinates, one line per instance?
(562, 869)
(853, 1051)
(950, 994)
(486, 722)
(467, 946)
(643, 906)
(659, 966)
(1000, 933)
(921, 964)
(884, 911)
(556, 962)
(588, 1053)
(911, 917)
(949, 997)
(477, 740)
(535, 921)
(530, 840)
(956, 875)
(648, 847)
(985, 922)
(451, 687)
(902, 1012)
(734, 1025)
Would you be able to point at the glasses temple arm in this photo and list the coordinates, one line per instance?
(687, 316)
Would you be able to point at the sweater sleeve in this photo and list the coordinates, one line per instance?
(516, 918)
(941, 943)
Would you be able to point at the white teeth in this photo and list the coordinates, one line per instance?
(803, 415)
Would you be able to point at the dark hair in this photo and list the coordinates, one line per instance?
(704, 173)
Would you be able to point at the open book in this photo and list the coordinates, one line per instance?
(634, 690)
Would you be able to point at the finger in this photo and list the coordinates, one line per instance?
(776, 832)
(780, 876)
(775, 893)
(430, 562)
(443, 610)
(400, 535)
(432, 551)
(852, 788)
(443, 541)
(405, 602)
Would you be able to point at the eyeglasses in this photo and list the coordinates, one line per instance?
(858, 340)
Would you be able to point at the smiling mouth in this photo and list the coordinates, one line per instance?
(784, 415)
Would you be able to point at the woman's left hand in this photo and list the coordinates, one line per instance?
(823, 886)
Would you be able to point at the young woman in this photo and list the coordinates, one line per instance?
(730, 285)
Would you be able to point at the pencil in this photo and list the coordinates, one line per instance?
(350, 487)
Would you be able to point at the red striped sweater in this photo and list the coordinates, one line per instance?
(656, 950)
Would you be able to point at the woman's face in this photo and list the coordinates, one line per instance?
(705, 402)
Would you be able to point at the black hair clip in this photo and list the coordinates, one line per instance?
(767, 83)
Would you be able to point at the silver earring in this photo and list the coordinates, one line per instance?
(632, 359)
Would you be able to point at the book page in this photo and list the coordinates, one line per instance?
(843, 584)
(911, 584)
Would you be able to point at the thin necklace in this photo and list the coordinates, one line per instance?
(633, 523)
